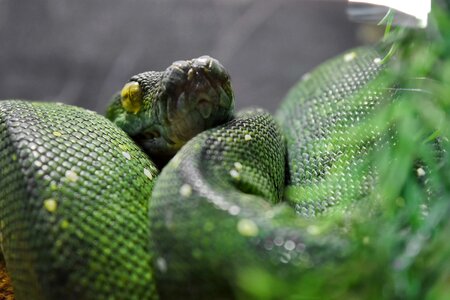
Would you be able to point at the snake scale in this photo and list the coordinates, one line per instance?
(85, 213)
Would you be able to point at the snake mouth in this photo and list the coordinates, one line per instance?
(194, 95)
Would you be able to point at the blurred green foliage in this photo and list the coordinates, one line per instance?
(399, 236)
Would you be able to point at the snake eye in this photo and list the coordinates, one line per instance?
(131, 97)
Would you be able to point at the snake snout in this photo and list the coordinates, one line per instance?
(195, 95)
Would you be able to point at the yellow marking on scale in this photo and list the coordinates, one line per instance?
(64, 224)
(50, 205)
(247, 227)
(53, 186)
(366, 240)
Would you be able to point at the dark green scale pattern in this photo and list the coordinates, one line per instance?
(74, 193)
(213, 219)
(316, 119)
(150, 84)
(218, 216)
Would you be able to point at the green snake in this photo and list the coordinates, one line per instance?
(85, 213)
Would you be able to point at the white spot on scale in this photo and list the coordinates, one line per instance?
(234, 210)
(306, 76)
(234, 174)
(289, 245)
(161, 264)
(126, 155)
(420, 172)
(424, 207)
(148, 173)
(349, 56)
(278, 241)
(377, 60)
(186, 190)
(247, 137)
(71, 175)
(238, 166)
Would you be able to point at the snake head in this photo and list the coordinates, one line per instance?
(161, 111)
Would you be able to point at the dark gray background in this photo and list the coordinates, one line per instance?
(81, 52)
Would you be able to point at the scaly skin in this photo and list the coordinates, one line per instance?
(66, 211)
(74, 188)
(322, 169)
(227, 217)
(230, 206)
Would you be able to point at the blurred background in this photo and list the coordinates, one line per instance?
(81, 52)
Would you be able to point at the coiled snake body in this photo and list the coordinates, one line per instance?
(81, 216)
